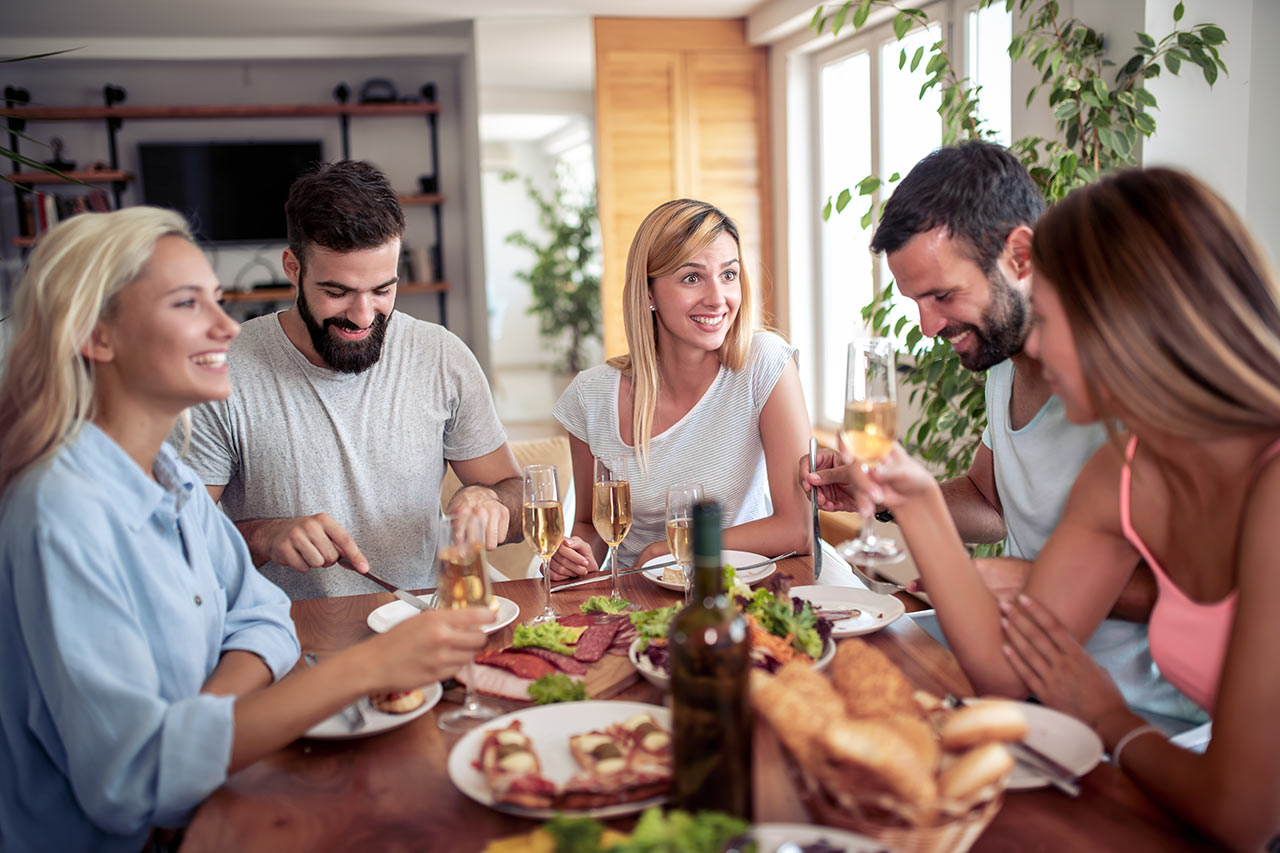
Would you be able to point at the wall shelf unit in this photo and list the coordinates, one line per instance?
(17, 113)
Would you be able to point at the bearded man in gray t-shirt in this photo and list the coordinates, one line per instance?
(331, 450)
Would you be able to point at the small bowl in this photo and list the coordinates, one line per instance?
(662, 681)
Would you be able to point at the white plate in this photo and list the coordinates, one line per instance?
(662, 681)
(770, 836)
(375, 721)
(390, 615)
(877, 610)
(1060, 736)
(549, 727)
(750, 577)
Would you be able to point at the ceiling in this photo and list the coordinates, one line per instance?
(231, 18)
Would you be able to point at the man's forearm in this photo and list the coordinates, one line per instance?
(252, 530)
(1138, 596)
(510, 493)
(975, 518)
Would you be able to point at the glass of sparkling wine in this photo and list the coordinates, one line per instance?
(543, 525)
(611, 508)
(680, 502)
(463, 582)
(870, 428)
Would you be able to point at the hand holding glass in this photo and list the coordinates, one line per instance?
(463, 582)
(870, 428)
(611, 507)
(543, 525)
(680, 503)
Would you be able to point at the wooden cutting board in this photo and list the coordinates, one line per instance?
(605, 679)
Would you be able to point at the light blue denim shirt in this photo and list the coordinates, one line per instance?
(119, 594)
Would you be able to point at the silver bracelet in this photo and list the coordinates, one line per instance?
(1137, 731)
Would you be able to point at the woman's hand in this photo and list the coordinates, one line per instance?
(573, 559)
(1054, 666)
(430, 646)
(653, 549)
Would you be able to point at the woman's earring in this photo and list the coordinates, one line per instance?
(651, 308)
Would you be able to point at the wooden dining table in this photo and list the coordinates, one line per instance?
(391, 790)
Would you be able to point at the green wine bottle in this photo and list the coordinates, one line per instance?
(710, 661)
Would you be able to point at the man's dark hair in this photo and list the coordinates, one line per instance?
(345, 206)
(978, 190)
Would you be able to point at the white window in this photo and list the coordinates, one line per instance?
(868, 119)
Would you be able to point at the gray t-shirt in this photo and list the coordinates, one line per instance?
(716, 444)
(367, 448)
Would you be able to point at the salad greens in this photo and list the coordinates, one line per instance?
(652, 624)
(780, 618)
(674, 832)
(551, 636)
(556, 687)
(601, 604)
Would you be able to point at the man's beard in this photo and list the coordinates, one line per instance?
(1004, 327)
(343, 356)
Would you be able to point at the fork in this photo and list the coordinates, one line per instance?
(351, 713)
(878, 586)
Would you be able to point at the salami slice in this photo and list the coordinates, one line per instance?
(595, 641)
(519, 663)
(564, 663)
(577, 620)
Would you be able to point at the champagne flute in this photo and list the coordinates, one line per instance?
(611, 508)
(681, 500)
(463, 582)
(870, 428)
(543, 525)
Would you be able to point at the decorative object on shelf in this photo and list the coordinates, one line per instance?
(58, 163)
(378, 90)
(565, 276)
(429, 184)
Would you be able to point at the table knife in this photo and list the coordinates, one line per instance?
(663, 565)
(813, 496)
(1060, 777)
(407, 597)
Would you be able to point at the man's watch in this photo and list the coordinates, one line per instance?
(884, 515)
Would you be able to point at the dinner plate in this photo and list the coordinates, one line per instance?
(1060, 736)
(750, 577)
(877, 610)
(662, 680)
(390, 615)
(770, 837)
(549, 727)
(375, 721)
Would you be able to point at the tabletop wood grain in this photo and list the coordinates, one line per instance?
(392, 792)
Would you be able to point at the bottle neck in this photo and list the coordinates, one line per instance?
(708, 578)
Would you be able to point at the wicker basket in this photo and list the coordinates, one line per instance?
(945, 833)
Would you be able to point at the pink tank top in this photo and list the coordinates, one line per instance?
(1188, 639)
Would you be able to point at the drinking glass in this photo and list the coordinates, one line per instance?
(680, 502)
(543, 525)
(870, 428)
(463, 582)
(611, 508)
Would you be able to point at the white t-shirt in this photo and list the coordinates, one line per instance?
(1035, 468)
(716, 445)
(367, 448)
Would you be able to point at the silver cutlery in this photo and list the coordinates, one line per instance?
(883, 587)
(351, 713)
(663, 565)
(407, 597)
(1057, 775)
(813, 497)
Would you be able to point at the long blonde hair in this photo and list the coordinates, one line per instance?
(70, 283)
(1174, 308)
(666, 240)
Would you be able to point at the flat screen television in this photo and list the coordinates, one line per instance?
(230, 192)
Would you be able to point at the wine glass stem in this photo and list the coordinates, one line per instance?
(868, 535)
(613, 569)
(546, 584)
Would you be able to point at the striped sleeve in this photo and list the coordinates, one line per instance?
(770, 353)
(570, 410)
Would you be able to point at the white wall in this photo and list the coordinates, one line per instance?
(400, 146)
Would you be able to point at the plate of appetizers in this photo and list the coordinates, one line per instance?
(671, 577)
(381, 712)
(601, 759)
(390, 615)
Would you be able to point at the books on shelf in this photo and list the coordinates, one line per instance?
(41, 210)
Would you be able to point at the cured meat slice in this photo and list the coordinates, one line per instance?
(577, 620)
(564, 663)
(494, 681)
(595, 641)
(519, 663)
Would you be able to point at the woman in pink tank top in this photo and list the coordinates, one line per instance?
(1155, 312)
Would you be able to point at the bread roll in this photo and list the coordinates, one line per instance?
(973, 771)
(983, 722)
(397, 702)
(874, 756)
(870, 684)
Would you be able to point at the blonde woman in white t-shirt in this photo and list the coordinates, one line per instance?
(698, 398)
